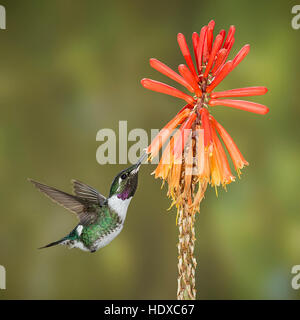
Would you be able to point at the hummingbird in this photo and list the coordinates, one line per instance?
(101, 219)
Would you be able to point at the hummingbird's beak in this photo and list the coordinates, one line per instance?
(141, 159)
(138, 164)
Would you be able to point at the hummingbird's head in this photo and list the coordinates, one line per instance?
(125, 183)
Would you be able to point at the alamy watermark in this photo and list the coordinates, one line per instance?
(295, 283)
(107, 151)
(296, 19)
(2, 278)
(2, 18)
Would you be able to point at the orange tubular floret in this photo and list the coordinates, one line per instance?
(240, 92)
(209, 39)
(230, 35)
(176, 137)
(164, 133)
(202, 164)
(174, 179)
(220, 76)
(199, 134)
(241, 55)
(221, 56)
(188, 76)
(164, 166)
(164, 69)
(207, 129)
(231, 43)
(159, 170)
(214, 51)
(211, 26)
(229, 47)
(195, 39)
(186, 53)
(201, 46)
(166, 89)
(215, 168)
(237, 158)
(205, 54)
(240, 104)
(174, 169)
(223, 34)
(226, 175)
(181, 139)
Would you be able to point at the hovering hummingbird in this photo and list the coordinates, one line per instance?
(100, 219)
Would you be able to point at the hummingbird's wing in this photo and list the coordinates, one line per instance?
(79, 206)
(84, 191)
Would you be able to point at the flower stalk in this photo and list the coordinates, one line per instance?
(186, 288)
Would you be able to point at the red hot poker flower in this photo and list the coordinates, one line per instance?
(210, 161)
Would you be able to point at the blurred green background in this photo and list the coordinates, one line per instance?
(70, 68)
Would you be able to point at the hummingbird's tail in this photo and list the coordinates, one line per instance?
(53, 244)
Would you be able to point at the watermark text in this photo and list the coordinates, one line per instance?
(173, 146)
(296, 19)
(2, 278)
(2, 18)
(296, 279)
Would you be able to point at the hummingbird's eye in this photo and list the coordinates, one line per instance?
(124, 176)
